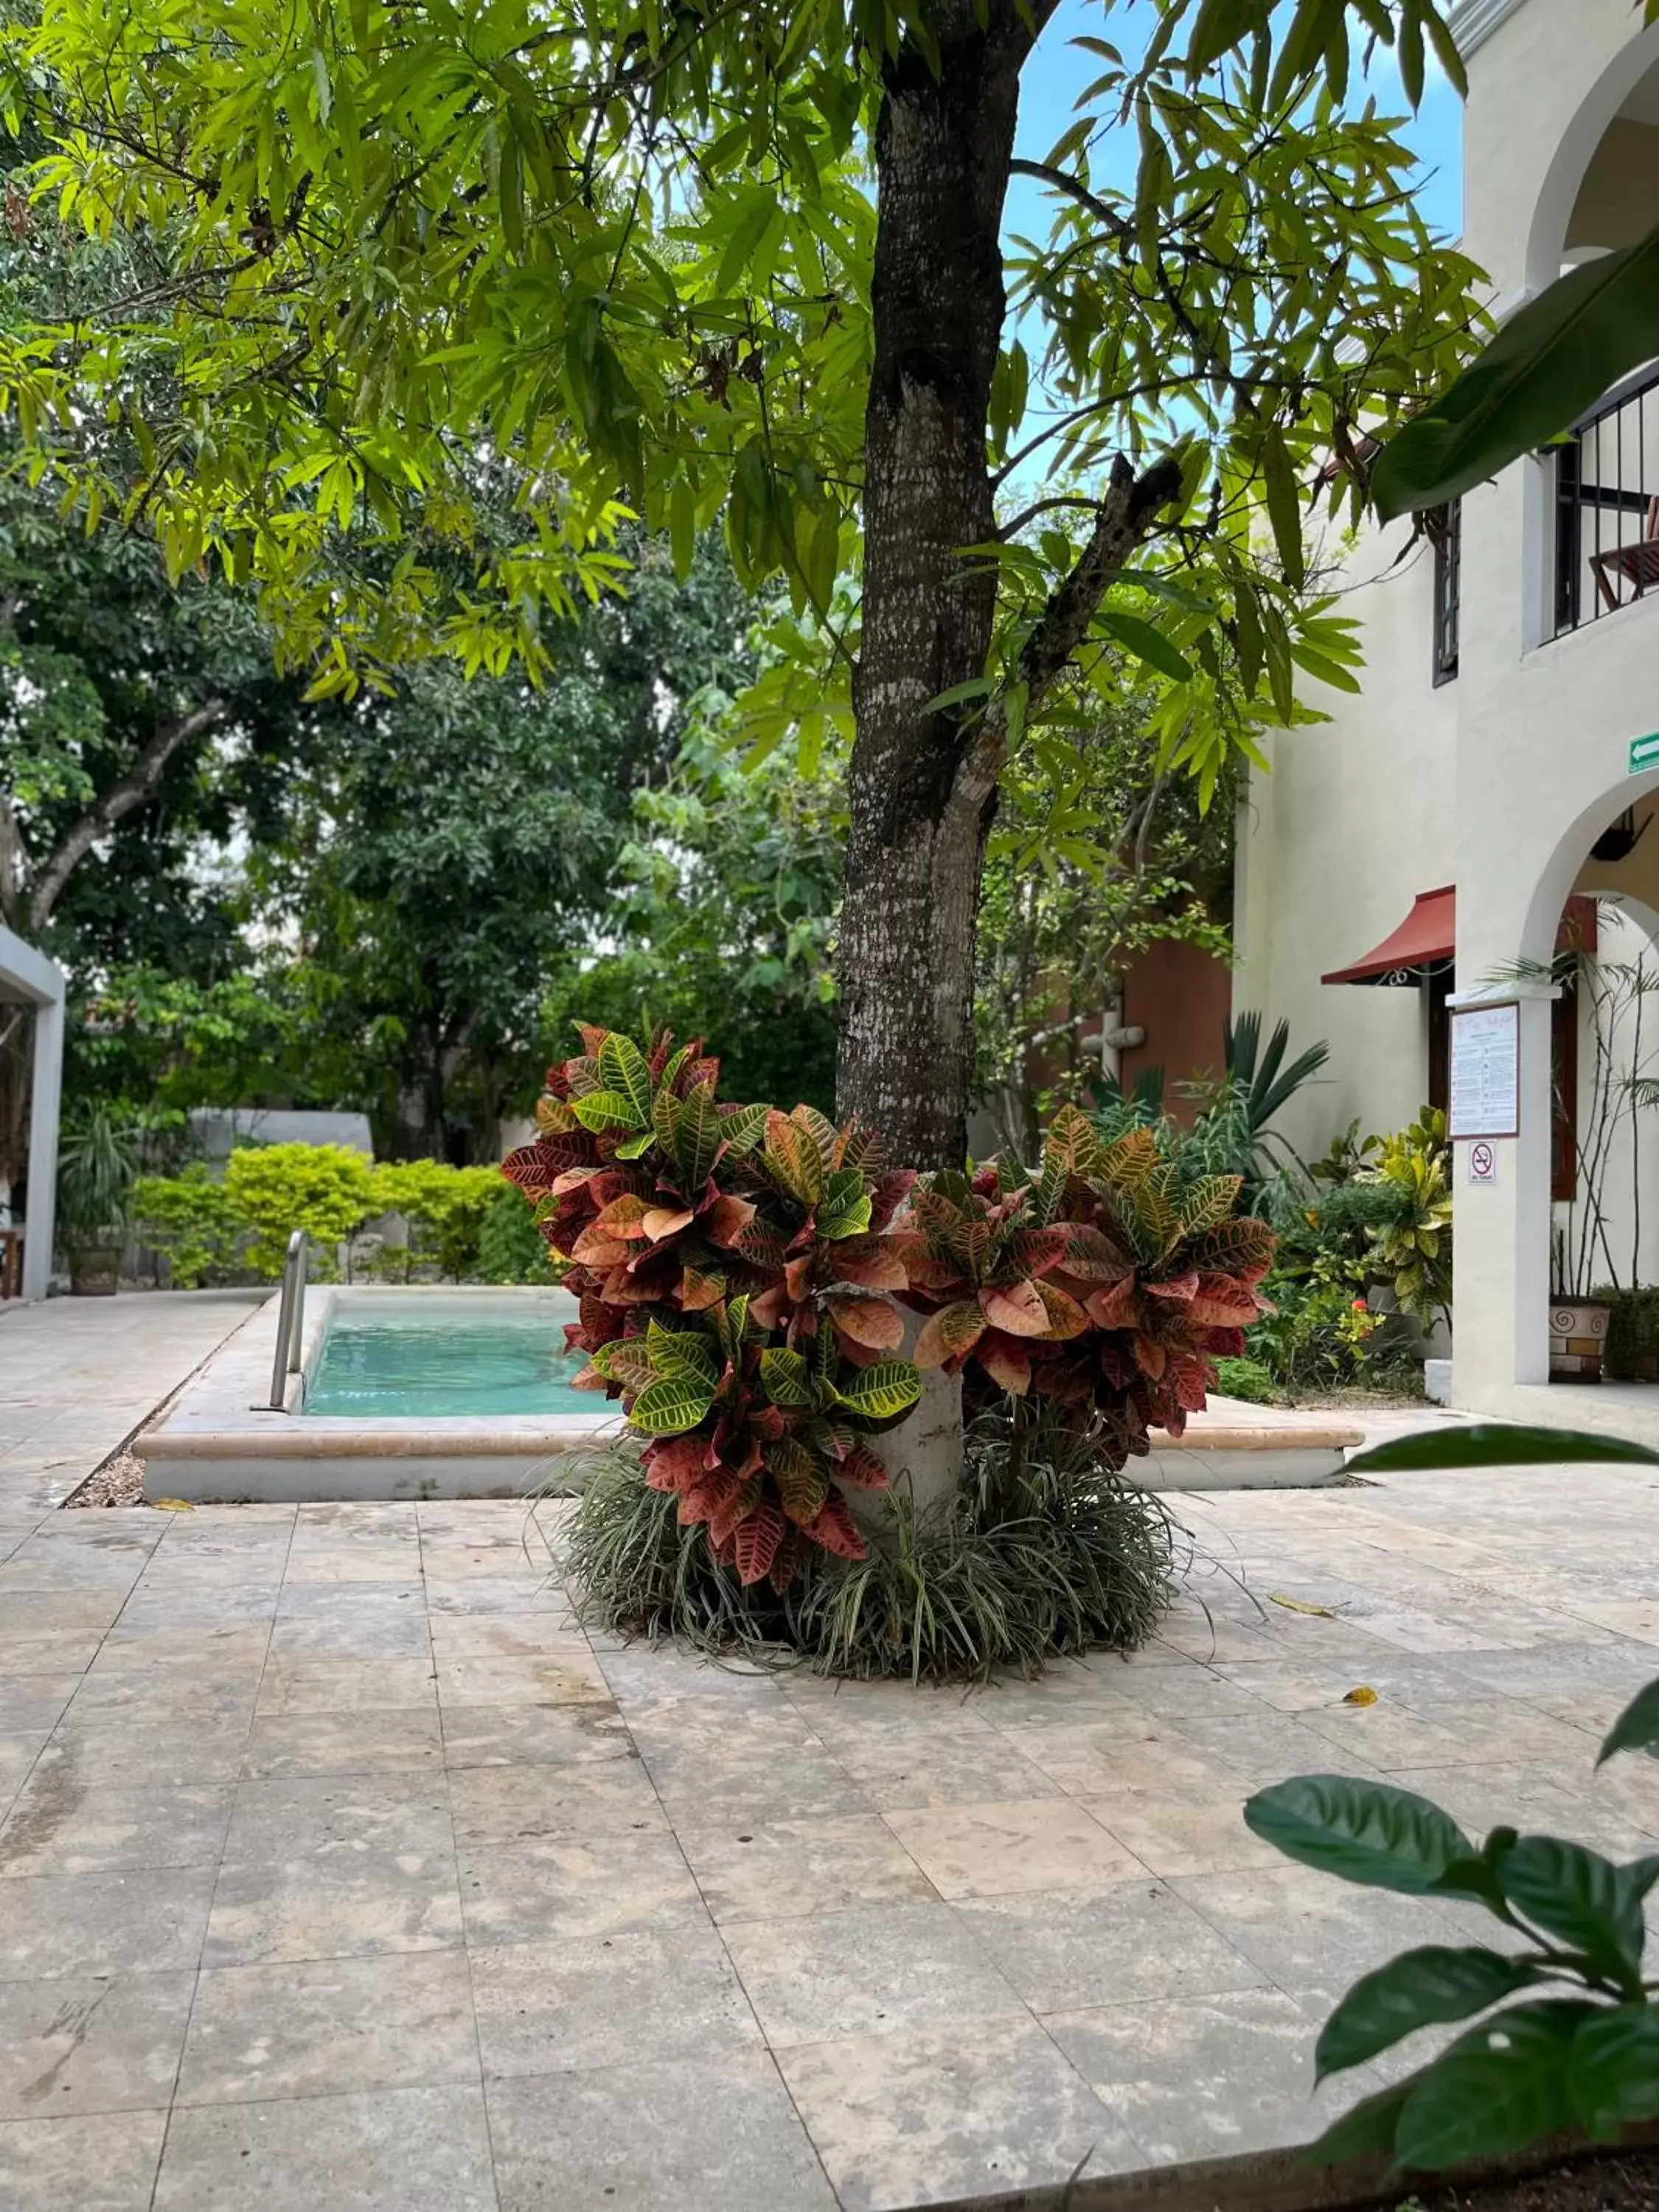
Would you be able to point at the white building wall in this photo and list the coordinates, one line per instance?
(1502, 780)
(1354, 820)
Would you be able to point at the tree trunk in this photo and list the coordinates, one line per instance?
(916, 840)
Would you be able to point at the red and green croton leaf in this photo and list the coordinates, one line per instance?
(742, 1278)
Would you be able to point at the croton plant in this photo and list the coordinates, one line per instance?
(743, 1275)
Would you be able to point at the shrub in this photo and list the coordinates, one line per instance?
(445, 1208)
(740, 1273)
(511, 1249)
(1414, 1251)
(276, 1188)
(1631, 1352)
(1247, 1380)
(193, 1220)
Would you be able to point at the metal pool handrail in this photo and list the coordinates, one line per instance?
(290, 1320)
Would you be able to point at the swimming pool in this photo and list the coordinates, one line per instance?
(374, 1363)
(423, 1391)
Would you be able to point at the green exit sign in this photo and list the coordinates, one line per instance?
(1644, 753)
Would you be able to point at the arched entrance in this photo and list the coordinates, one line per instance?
(1508, 1222)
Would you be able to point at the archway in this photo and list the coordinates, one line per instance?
(1584, 1160)
(1582, 206)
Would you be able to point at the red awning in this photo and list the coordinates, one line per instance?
(1426, 939)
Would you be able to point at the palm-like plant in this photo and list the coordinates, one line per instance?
(97, 1162)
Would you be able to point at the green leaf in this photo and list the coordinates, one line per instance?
(605, 1109)
(883, 1392)
(1367, 2131)
(1495, 1443)
(741, 1131)
(1221, 26)
(697, 1133)
(1365, 1832)
(786, 1377)
(1547, 364)
(1284, 504)
(670, 1407)
(1579, 1898)
(752, 225)
(1504, 2085)
(1420, 1988)
(1636, 1728)
(1147, 643)
(682, 1352)
(683, 527)
(844, 1209)
(1614, 2070)
(960, 695)
(636, 1147)
(624, 1069)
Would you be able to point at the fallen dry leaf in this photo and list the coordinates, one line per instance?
(1296, 1605)
(1363, 1696)
(172, 1505)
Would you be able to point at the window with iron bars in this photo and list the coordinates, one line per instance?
(1444, 526)
(1606, 511)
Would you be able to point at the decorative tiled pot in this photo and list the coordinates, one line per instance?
(1579, 1332)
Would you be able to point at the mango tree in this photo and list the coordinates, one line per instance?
(695, 261)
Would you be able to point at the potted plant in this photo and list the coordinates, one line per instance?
(97, 1161)
(1589, 1280)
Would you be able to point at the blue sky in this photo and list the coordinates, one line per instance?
(1058, 71)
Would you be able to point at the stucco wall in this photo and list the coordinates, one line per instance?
(1179, 995)
(1501, 781)
(1354, 820)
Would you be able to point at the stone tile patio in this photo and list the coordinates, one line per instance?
(339, 1866)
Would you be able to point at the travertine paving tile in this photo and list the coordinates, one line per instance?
(785, 1869)
(143, 1921)
(103, 2162)
(982, 2108)
(878, 1970)
(633, 2000)
(394, 2150)
(53, 1832)
(1137, 1939)
(329, 2027)
(333, 1904)
(1212, 2079)
(574, 1885)
(1000, 1849)
(91, 2043)
(688, 2135)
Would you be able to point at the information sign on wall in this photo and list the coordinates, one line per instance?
(1485, 1072)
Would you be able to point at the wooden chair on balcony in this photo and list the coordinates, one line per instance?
(1636, 565)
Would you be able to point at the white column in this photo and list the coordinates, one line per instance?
(41, 1221)
(1501, 1230)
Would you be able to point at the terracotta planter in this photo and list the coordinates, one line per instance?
(1579, 1333)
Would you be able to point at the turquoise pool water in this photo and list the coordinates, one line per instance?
(447, 1363)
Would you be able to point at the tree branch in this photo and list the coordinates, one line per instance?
(1122, 520)
(131, 790)
(1130, 503)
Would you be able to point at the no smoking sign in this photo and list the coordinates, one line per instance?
(1483, 1162)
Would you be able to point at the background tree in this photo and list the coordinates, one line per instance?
(719, 921)
(629, 251)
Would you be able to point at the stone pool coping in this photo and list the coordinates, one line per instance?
(219, 1441)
